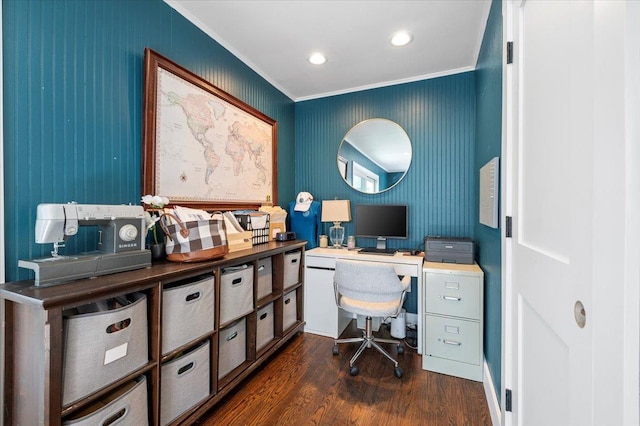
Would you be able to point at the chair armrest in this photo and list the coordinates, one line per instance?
(337, 294)
(405, 282)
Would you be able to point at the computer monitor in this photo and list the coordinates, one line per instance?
(382, 221)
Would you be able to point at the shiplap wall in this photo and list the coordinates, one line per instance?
(440, 187)
(439, 117)
(488, 145)
(73, 75)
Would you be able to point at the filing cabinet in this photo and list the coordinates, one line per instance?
(453, 319)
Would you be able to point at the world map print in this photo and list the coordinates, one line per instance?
(207, 149)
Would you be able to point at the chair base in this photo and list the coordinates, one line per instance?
(368, 340)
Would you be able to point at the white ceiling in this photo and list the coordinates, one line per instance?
(275, 39)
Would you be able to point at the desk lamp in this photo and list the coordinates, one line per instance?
(336, 211)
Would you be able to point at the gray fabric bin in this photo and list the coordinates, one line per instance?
(232, 349)
(290, 311)
(291, 268)
(264, 333)
(102, 347)
(184, 382)
(265, 277)
(236, 293)
(128, 407)
(187, 312)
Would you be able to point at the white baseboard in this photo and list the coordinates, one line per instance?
(492, 397)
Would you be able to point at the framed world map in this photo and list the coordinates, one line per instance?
(202, 147)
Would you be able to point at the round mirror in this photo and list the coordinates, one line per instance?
(374, 155)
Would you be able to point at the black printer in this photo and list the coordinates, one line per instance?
(449, 250)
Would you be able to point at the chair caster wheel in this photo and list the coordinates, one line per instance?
(397, 372)
(400, 349)
(354, 371)
(335, 350)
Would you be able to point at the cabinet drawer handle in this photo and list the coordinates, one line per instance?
(192, 297)
(260, 268)
(232, 336)
(185, 368)
(451, 342)
(452, 285)
(455, 299)
(112, 419)
(118, 326)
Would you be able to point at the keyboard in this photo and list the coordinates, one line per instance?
(373, 250)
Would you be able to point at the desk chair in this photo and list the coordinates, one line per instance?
(370, 289)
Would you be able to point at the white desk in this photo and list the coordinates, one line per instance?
(321, 314)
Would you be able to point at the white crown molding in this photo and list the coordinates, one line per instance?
(198, 23)
(387, 84)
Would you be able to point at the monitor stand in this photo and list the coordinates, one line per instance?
(381, 248)
(371, 250)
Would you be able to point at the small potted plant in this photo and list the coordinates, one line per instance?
(153, 210)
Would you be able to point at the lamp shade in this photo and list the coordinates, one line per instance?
(336, 211)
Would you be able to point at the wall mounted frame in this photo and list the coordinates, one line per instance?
(488, 209)
(202, 147)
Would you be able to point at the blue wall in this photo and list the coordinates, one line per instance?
(488, 145)
(73, 75)
(440, 186)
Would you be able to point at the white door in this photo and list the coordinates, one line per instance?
(565, 190)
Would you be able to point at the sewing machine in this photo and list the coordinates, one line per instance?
(121, 237)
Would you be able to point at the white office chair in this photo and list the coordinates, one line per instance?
(374, 290)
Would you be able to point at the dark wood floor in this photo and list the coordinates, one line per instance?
(304, 384)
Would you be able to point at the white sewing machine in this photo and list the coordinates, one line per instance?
(121, 236)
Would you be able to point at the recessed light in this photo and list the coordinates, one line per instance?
(317, 59)
(401, 38)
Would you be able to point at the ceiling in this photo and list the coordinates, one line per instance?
(276, 38)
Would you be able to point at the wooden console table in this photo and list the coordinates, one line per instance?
(33, 320)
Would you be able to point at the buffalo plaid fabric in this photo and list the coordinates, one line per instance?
(203, 234)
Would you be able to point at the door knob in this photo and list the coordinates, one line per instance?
(580, 314)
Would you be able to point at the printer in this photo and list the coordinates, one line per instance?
(449, 250)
